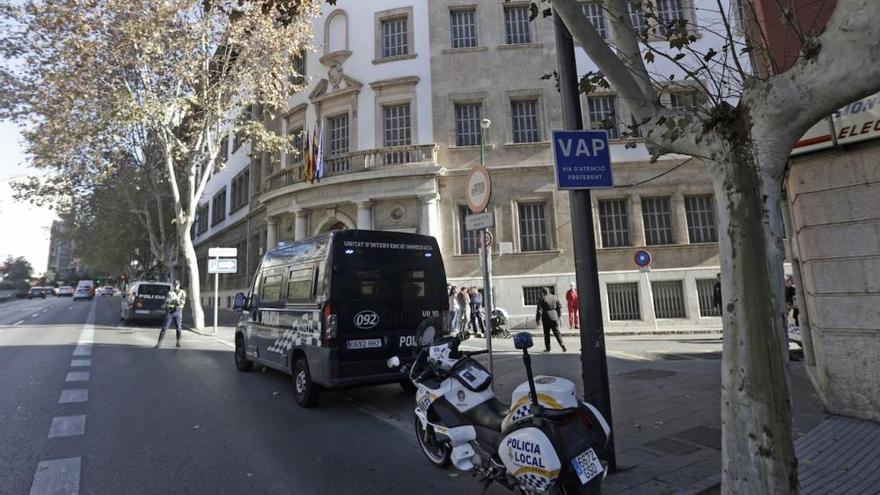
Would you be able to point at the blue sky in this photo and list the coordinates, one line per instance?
(24, 228)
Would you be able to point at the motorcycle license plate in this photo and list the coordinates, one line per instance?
(363, 344)
(587, 465)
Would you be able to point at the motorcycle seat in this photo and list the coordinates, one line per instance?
(489, 414)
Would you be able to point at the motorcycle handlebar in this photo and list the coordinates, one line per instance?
(476, 353)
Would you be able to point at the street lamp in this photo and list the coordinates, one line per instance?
(484, 124)
(487, 260)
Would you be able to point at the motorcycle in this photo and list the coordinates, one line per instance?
(499, 322)
(545, 442)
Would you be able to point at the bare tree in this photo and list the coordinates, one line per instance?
(745, 131)
(170, 77)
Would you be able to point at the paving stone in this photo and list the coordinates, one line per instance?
(690, 475)
(702, 435)
(647, 374)
(669, 445)
(652, 487)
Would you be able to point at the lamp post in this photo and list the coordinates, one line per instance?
(487, 260)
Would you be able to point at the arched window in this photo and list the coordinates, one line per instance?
(336, 32)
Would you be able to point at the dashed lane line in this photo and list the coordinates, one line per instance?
(74, 395)
(80, 363)
(77, 376)
(58, 476)
(19, 322)
(68, 426)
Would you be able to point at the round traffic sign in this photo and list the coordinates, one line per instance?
(478, 189)
(487, 238)
(642, 258)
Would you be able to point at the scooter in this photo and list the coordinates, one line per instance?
(545, 442)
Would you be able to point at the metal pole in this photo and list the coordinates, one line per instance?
(487, 267)
(594, 364)
(216, 299)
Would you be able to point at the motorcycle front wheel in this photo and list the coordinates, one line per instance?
(436, 451)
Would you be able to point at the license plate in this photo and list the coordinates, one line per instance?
(587, 465)
(363, 344)
(142, 311)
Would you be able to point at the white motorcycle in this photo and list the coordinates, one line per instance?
(546, 442)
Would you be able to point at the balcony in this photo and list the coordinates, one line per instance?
(357, 161)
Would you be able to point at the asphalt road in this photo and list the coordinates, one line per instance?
(88, 406)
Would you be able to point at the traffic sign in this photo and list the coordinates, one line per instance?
(487, 238)
(479, 221)
(478, 189)
(582, 159)
(642, 258)
(221, 252)
(222, 265)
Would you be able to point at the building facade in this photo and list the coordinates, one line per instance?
(400, 89)
(61, 261)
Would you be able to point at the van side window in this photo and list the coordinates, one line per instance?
(271, 290)
(413, 284)
(363, 284)
(299, 285)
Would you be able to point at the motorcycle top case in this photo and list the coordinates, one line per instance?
(553, 393)
(529, 456)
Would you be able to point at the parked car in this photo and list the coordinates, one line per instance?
(65, 291)
(107, 290)
(83, 293)
(36, 292)
(49, 291)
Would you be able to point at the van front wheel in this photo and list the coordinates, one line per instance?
(305, 391)
(242, 363)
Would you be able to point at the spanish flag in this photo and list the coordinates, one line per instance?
(314, 156)
(307, 157)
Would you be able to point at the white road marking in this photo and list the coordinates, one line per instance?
(382, 416)
(80, 363)
(19, 322)
(83, 350)
(35, 315)
(68, 426)
(77, 376)
(74, 395)
(57, 477)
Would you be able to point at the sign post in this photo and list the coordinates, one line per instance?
(478, 191)
(221, 260)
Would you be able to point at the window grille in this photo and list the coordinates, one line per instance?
(614, 221)
(668, 11)
(595, 14)
(700, 211)
(240, 185)
(296, 155)
(533, 227)
(394, 37)
(668, 299)
(658, 221)
(469, 240)
(525, 121)
(637, 18)
(299, 66)
(603, 115)
(338, 134)
(464, 28)
(533, 295)
(516, 25)
(706, 294)
(623, 301)
(467, 124)
(202, 219)
(398, 132)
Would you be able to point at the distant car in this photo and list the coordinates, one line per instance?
(65, 291)
(107, 290)
(49, 291)
(83, 293)
(36, 292)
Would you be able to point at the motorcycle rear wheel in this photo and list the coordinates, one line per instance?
(436, 451)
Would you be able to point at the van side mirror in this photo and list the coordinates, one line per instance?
(523, 340)
(239, 304)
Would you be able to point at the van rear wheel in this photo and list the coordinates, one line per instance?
(305, 391)
(242, 363)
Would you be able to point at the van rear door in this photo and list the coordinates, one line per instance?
(379, 299)
(151, 296)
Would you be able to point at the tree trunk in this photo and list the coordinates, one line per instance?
(192, 267)
(757, 452)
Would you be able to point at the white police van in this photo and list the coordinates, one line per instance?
(331, 310)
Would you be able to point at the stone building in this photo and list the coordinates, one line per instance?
(400, 88)
(61, 261)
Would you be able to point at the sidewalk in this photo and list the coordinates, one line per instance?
(666, 418)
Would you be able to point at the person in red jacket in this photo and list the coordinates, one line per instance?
(571, 297)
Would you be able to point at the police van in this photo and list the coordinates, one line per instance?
(331, 310)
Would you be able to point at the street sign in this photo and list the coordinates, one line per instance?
(642, 258)
(487, 238)
(582, 159)
(478, 189)
(220, 252)
(222, 265)
(479, 221)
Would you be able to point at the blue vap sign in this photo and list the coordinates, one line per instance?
(582, 159)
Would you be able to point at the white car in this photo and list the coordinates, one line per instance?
(65, 290)
(84, 292)
(107, 290)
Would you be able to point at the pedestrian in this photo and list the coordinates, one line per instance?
(790, 300)
(571, 297)
(453, 306)
(716, 294)
(477, 312)
(175, 300)
(548, 312)
(463, 302)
